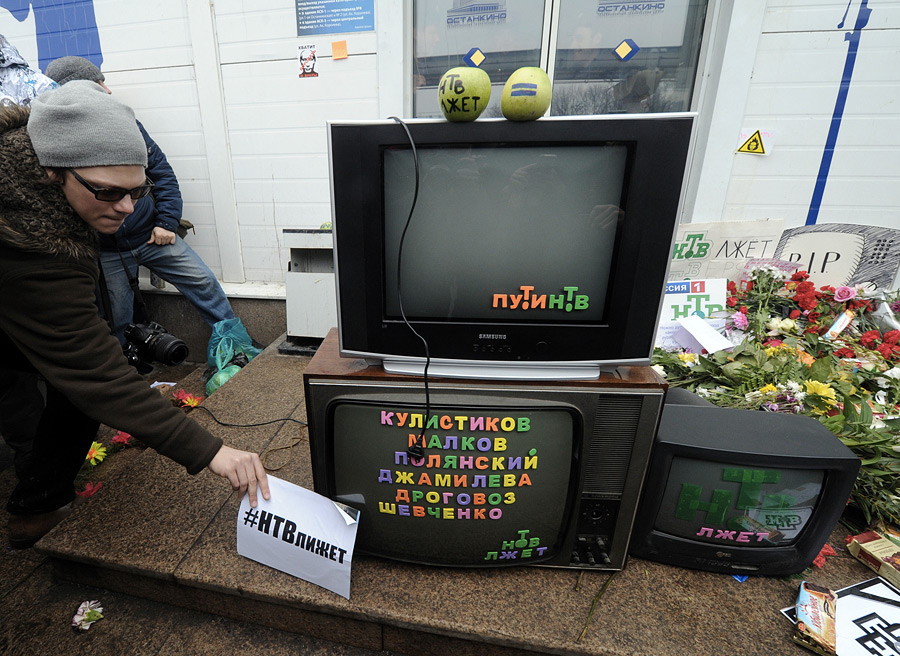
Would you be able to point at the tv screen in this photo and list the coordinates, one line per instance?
(534, 250)
(761, 507)
(524, 208)
(488, 479)
(741, 491)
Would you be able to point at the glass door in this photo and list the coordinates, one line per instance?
(603, 56)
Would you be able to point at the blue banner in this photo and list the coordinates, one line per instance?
(335, 16)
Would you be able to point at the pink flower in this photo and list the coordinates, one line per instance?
(90, 488)
(740, 320)
(122, 438)
(844, 293)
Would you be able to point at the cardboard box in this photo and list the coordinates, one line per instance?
(878, 553)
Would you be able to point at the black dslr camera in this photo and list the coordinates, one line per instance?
(149, 342)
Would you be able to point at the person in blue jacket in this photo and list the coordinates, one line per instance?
(149, 235)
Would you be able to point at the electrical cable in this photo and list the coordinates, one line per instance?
(264, 457)
(261, 423)
(415, 450)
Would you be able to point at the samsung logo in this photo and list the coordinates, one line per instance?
(491, 336)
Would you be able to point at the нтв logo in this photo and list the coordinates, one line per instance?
(692, 248)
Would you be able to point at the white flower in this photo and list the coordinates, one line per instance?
(787, 325)
(882, 382)
(793, 386)
(88, 613)
(893, 373)
(658, 368)
(881, 397)
(776, 325)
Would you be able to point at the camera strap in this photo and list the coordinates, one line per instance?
(140, 308)
(104, 298)
(140, 313)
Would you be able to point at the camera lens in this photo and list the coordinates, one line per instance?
(168, 350)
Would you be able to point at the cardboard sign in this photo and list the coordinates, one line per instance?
(685, 298)
(840, 254)
(301, 533)
(721, 248)
(700, 300)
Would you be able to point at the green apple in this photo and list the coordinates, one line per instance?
(526, 94)
(463, 93)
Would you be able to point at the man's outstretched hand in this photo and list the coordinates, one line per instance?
(243, 470)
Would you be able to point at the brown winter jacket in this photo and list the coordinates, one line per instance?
(48, 311)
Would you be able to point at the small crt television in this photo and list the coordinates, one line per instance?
(531, 473)
(516, 250)
(741, 491)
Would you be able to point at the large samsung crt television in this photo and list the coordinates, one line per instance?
(510, 475)
(741, 491)
(514, 250)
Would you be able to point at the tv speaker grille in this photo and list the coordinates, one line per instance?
(616, 422)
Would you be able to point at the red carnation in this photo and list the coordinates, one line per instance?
(806, 301)
(870, 338)
(887, 351)
(800, 275)
(891, 337)
(731, 301)
(845, 352)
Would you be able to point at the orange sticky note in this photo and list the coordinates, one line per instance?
(339, 50)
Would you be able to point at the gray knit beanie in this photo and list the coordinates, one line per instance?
(66, 69)
(79, 124)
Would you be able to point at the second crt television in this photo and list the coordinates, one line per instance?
(741, 491)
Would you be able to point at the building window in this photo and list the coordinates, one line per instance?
(603, 56)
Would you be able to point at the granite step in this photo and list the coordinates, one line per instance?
(37, 604)
(157, 533)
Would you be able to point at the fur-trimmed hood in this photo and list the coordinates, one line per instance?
(34, 213)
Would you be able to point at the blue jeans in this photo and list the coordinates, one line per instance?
(175, 263)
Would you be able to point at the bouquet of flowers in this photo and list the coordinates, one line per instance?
(831, 353)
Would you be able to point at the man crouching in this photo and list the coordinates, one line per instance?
(70, 168)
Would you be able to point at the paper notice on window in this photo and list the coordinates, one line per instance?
(301, 533)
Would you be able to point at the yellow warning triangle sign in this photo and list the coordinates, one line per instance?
(754, 145)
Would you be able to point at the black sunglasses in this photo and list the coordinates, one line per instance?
(114, 194)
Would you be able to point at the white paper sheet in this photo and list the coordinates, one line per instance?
(697, 335)
(301, 533)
